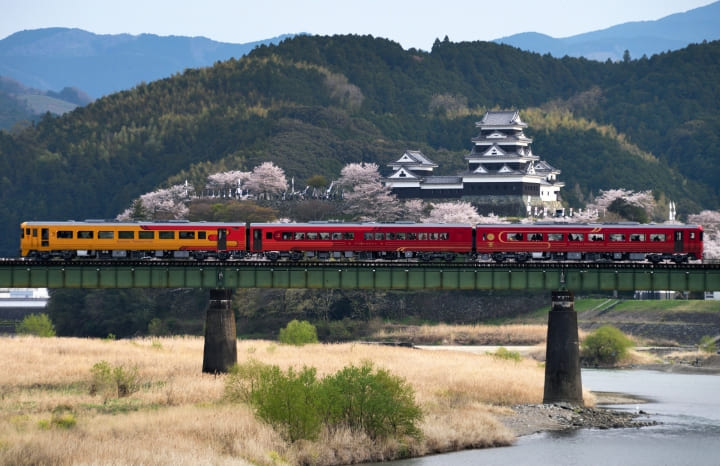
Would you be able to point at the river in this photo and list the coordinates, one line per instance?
(687, 406)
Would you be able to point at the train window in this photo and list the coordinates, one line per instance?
(34, 232)
(146, 235)
(657, 237)
(637, 237)
(617, 237)
(186, 235)
(400, 236)
(555, 236)
(434, 236)
(84, 235)
(379, 236)
(412, 236)
(337, 236)
(126, 235)
(597, 237)
(268, 235)
(692, 235)
(390, 236)
(534, 237)
(312, 235)
(286, 235)
(106, 234)
(422, 236)
(514, 236)
(576, 237)
(202, 235)
(166, 235)
(299, 235)
(349, 235)
(368, 236)
(324, 235)
(444, 236)
(65, 234)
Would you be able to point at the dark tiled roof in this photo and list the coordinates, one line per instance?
(505, 118)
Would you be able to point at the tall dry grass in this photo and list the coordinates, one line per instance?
(446, 334)
(179, 416)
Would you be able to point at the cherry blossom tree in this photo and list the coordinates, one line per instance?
(354, 174)
(227, 183)
(163, 204)
(642, 199)
(710, 221)
(453, 212)
(266, 180)
(373, 202)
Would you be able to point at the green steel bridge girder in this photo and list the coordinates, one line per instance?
(23, 274)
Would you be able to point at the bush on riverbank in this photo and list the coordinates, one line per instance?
(299, 405)
(606, 346)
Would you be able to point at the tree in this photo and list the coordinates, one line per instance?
(298, 333)
(710, 221)
(354, 174)
(453, 212)
(39, 325)
(163, 204)
(267, 180)
(606, 345)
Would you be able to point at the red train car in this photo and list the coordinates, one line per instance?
(589, 242)
(390, 241)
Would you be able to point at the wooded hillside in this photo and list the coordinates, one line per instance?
(313, 104)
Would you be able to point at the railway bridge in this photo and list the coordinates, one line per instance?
(562, 371)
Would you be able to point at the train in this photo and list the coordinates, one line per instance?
(556, 241)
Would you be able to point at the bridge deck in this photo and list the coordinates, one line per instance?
(359, 275)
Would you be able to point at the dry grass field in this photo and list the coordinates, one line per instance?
(50, 415)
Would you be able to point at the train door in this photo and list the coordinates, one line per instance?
(257, 240)
(222, 239)
(679, 241)
(45, 237)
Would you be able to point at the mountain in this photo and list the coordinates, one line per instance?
(56, 58)
(313, 104)
(639, 38)
(21, 103)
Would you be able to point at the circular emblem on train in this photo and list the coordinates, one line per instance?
(490, 236)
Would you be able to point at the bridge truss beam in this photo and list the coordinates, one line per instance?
(369, 276)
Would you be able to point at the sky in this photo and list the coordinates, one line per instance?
(413, 24)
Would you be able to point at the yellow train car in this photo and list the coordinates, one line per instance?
(91, 239)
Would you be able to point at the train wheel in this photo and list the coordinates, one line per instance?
(498, 257)
(223, 255)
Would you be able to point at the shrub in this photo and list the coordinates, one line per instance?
(374, 401)
(115, 381)
(298, 405)
(287, 401)
(36, 324)
(298, 333)
(504, 353)
(707, 344)
(606, 346)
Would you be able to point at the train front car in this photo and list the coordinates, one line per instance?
(124, 240)
(589, 242)
(360, 241)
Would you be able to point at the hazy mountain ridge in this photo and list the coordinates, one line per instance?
(640, 38)
(55, 58)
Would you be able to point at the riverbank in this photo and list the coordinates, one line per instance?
(533, 418)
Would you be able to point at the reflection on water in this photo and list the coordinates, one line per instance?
(686, 405)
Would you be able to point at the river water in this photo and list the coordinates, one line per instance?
(687, 406)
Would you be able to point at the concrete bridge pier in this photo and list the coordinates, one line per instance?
(220, 352)
(562, 357)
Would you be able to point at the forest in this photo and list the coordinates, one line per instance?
(313, 104)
